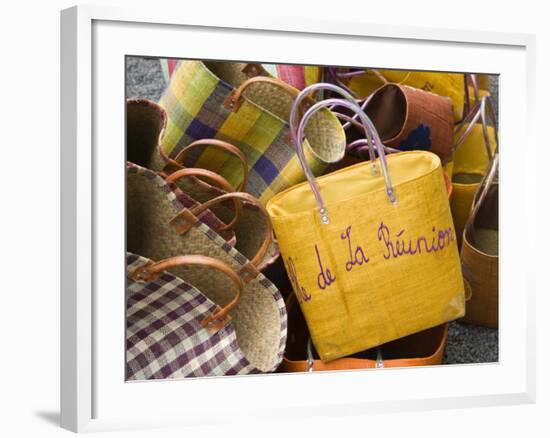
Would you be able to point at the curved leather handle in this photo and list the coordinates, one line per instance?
(256, 260)
(234, 99)
(214, 177)
(150, 271)
(177, 162)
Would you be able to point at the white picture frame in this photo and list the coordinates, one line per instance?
(93, 40)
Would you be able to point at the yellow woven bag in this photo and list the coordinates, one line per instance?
(370, 249)
(474, 150)
(443, 84)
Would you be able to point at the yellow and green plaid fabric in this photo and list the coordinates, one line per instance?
(194, 104)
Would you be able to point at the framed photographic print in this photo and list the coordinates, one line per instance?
(263, 209)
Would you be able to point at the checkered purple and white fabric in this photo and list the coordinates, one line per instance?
(164, 337)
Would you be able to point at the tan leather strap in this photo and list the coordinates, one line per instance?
(235, 98)
(219, 180)
(150, 271)
(257, 259)
(177, 162)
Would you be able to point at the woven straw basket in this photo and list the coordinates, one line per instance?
(220, 100)
(175, 330)
(158, 226)
(145, 124)
(249, 224)
(408, 118)
(145, 128)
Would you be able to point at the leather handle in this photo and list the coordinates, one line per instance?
(235, 98)
(177, 162)
(256, 260)
(219, 180)
(152, 270)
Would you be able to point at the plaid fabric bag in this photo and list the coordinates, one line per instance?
(174, 330)
(159, 227)
(220, 100)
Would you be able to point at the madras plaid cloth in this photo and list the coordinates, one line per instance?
(194, 104)
(164, 336)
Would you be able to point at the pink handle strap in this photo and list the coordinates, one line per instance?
(298, 137)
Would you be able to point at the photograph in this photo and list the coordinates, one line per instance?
(286, 218)
(289, 219)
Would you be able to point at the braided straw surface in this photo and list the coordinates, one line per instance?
(259, 317)
(322, 134)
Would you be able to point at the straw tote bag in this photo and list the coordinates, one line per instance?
(408, 119)
(370, 249)
(364, 82)
(145, 124)
(476, 143)
(159, 226)
(219, 100)
(479, 252)
(244, 220)
(248, 222)
(175, 330)
(424, 348)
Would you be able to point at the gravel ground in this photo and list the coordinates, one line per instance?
(465, 343)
